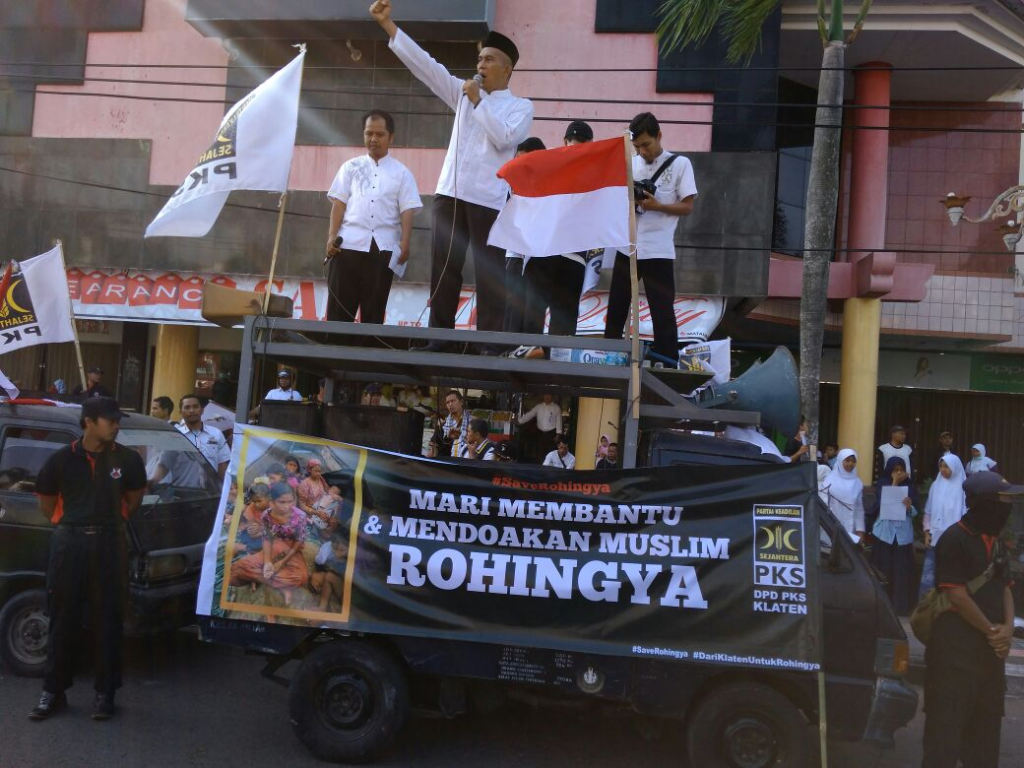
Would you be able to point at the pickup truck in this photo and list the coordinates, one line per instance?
(351, 692)
(165, 537)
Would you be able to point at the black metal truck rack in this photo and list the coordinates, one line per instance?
(339, 352)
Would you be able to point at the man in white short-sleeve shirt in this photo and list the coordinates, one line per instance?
(284, 390)
(657, 217)
(560, 458)
(373, 200)
(489, 124)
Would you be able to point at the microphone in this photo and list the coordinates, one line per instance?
(479, 79)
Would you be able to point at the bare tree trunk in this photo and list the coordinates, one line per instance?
(819, 230)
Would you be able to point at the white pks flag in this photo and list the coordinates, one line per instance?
(252, 150)
(565, 200)
(35, 307)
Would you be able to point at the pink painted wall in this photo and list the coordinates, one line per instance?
(179, 132)
(555, 36)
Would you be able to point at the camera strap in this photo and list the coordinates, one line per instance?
(661, 169)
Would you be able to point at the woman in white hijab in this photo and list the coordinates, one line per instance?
(979, 461)
(945, 506)
(844, 492)
(824, 470)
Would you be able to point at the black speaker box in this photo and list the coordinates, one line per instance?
(301, 418)
(375, 427)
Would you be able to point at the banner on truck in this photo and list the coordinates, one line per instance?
(701, 564)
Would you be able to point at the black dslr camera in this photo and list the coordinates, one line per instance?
(639, 190)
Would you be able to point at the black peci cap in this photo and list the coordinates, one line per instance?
(990, 484)
(580, 131)
(532, 144)
(102, 408)
(503, 44)
(96, 369)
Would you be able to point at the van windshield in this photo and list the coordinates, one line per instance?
(174, 466)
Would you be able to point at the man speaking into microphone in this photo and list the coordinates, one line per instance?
(489, 124)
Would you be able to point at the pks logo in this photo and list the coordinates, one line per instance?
(779, 542)
(116, 473)
(17, 315)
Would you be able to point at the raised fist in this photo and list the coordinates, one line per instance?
(381, 11)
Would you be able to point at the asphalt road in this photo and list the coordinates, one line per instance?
(186, 703)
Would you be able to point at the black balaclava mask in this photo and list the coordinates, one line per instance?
(987, 514)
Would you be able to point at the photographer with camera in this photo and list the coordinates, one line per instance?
(665, 189)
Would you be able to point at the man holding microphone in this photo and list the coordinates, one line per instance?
(489, 124)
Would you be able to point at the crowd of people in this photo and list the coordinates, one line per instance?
(966, 558)
(889, 531)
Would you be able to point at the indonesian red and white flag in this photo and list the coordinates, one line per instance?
(565, 200)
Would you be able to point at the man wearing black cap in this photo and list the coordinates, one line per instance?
(95, 388)
(88, 489)
(965, 678)
(489, 124)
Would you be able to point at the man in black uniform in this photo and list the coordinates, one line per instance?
(966, 678)
(94, 378)
(88, 489)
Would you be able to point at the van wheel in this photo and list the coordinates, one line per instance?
(24, 629)
(746, 725)
(348, 701)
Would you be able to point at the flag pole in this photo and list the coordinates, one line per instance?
(273, 256)
(282, 204)
(634, 281)
(74, 325)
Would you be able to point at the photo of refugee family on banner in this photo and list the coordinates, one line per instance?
(714, 564)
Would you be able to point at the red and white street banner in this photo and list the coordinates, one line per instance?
(171, 297)
(565, 200)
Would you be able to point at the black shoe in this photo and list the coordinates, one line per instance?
(488, 350)
(434, 346)
(49, 704)
(103, 706)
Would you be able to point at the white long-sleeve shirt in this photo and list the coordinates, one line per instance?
(484, 138)
(548, 415)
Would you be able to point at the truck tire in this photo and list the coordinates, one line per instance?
(746, 725)
(348, 701)
(24, 629)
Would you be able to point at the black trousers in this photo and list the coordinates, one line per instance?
(87, 578)
(457, 225)
(359, 283)
(659, 279)
(554, 283)
(963, 701)
(897, 563)
(515, 296)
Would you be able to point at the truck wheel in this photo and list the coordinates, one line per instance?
(348, 701)
(746, 725)
(24, 629)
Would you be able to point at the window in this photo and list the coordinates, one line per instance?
(188, 475)
(24, 452)
(793, 139)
